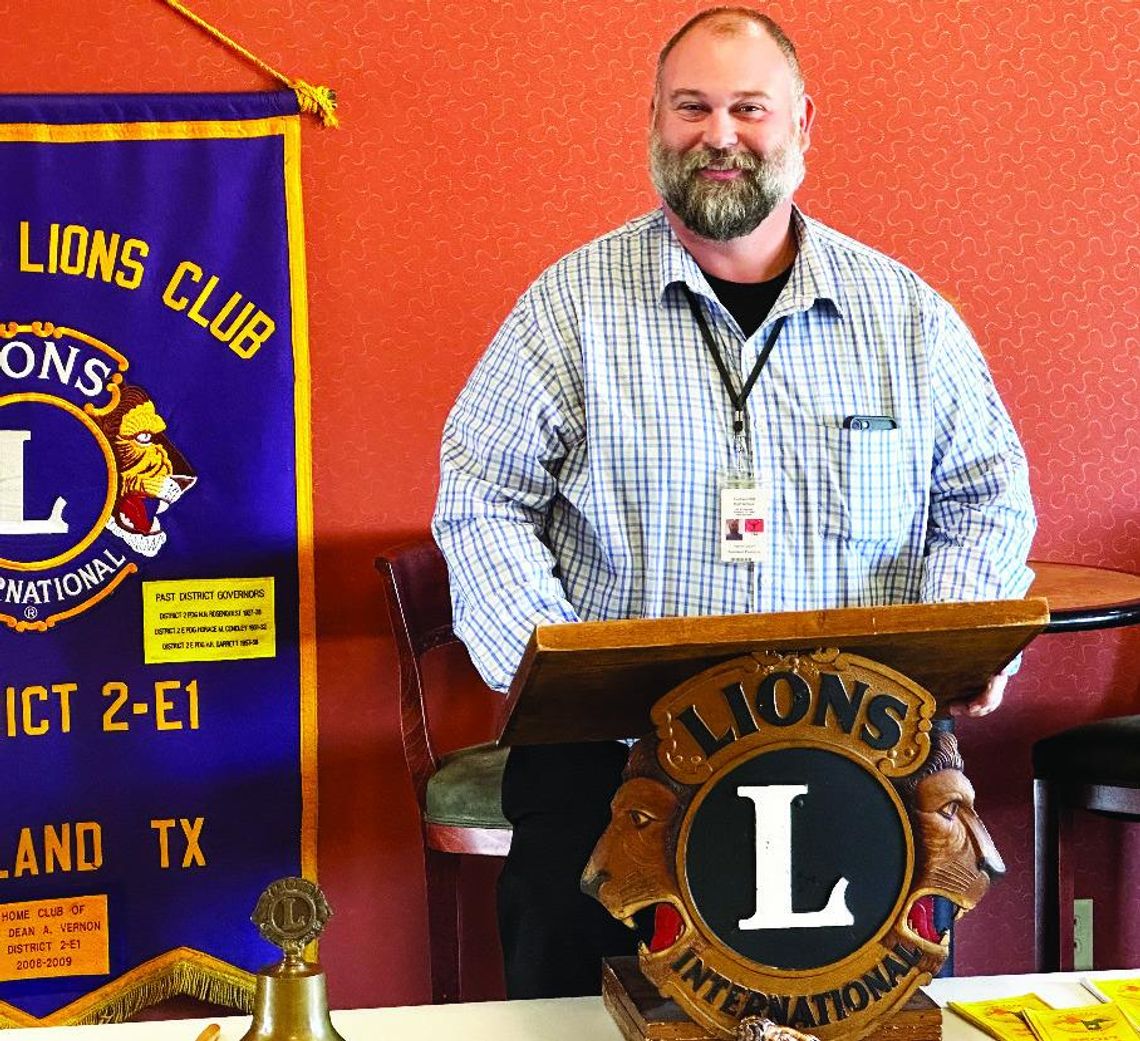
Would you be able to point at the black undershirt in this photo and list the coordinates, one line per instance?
(748, 302)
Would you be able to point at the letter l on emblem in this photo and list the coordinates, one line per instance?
(773, 805)
(12, 519)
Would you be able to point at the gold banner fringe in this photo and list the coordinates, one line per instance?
(318, 101)
(183, 972)
(182, 979)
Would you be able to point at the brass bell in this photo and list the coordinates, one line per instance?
(291, 1002)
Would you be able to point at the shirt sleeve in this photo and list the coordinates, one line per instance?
(981, 519)
(502, 448)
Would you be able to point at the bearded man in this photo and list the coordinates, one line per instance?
(723, 358)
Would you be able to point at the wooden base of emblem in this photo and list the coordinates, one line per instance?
(643, 1015)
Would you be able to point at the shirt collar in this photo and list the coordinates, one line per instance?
(812, 277)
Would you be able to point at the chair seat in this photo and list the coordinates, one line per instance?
(1102, 753)
(465, 791)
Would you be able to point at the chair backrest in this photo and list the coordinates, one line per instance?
(419, 605)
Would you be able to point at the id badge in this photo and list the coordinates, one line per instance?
(745, 519)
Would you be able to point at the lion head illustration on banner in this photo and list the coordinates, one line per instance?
(152, 473)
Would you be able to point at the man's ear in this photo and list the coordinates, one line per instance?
(807, 118)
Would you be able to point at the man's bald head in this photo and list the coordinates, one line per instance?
(733, 21)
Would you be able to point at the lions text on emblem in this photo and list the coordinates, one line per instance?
(789, 822)
(87, 466)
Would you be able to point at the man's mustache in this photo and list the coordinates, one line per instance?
(720, 159)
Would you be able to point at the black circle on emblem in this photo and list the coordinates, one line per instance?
(823, 818)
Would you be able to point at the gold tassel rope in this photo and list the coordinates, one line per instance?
(320, 101)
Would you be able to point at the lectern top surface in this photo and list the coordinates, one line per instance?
(592, 681)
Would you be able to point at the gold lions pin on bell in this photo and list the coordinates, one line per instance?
(291, 1003)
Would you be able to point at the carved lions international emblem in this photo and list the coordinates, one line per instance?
(790, 822)
(87, 468)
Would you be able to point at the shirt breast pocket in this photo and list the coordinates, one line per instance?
(869, 498)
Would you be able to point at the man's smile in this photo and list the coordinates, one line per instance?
(712, 173)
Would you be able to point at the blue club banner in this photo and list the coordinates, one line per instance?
(157, 661)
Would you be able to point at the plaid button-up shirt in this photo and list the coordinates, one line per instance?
(579, 467)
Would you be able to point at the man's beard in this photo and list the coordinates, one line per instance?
(722, 210)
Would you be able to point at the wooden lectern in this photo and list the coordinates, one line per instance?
(595, 681)
(850, 693)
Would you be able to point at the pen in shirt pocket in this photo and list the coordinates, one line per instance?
(869, 423)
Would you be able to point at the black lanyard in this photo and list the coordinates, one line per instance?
(738, 401)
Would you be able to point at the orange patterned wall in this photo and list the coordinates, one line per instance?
(993, 147)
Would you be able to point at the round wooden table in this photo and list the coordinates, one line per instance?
(1082, 597)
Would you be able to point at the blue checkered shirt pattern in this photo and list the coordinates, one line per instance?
(580, 464)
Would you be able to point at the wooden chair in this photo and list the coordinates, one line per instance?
(1096, 768)
(458, 794)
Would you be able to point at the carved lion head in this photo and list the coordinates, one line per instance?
(632, 866)
(956, 858)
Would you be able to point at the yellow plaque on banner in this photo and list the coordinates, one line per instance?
(65, 937)
(208, 619)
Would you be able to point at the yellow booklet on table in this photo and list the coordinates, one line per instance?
(1124, 992)
(1105, 1022)
(1000, 1017)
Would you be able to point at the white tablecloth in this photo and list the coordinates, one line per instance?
(567, 1019)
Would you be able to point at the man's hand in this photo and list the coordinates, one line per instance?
(984, 703)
